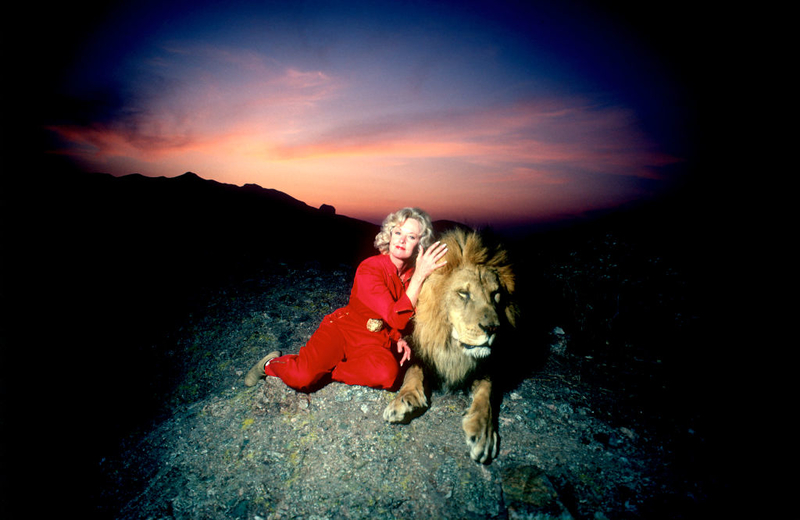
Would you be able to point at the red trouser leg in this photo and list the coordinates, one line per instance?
(315, 361)
(345, 353)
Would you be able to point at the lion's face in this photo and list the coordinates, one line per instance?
(473, 295)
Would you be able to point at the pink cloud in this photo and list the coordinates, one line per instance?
(534, 136)
(521, 138)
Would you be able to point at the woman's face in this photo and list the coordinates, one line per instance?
(404, 240)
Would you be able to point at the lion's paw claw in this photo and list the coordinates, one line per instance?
(392, 414)
(482, 439)
(404, 407)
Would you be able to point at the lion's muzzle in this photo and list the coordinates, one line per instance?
(477, 346)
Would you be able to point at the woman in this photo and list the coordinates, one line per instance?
(353, 345)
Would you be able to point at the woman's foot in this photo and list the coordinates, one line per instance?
(257, 372)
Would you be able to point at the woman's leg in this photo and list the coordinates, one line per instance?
(308, 370)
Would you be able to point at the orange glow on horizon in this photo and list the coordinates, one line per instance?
(505, 151)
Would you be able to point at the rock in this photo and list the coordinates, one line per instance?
(559, 341)
(530, 495)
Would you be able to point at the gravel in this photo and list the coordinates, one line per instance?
(577, 439)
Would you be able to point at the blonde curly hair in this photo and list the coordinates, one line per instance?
(396, 219)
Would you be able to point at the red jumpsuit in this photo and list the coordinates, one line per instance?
(343, 349)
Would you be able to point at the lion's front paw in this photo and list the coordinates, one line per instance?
(405, 406)
(482, 438)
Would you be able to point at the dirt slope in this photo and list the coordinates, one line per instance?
(221, 450)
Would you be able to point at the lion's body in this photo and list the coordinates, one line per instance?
(460, 310)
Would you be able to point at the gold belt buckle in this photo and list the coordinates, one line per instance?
(374, 325)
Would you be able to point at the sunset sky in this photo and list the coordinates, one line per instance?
(482, 112)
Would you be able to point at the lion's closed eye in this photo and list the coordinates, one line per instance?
(464, 294)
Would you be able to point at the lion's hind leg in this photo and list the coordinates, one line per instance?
(478, 424)
(410, 400)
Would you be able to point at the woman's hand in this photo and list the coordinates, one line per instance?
(429, 260)
(403, 348)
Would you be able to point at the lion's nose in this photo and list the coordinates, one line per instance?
(489, 326)
(491, 329)
(489, 321)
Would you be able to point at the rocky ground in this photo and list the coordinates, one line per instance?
(586, 433)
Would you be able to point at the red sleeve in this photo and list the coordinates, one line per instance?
(375, 288)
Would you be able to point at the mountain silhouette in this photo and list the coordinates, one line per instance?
(204, 222)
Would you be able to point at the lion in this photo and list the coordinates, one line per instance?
(462, 308)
